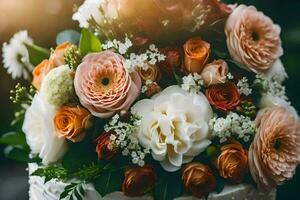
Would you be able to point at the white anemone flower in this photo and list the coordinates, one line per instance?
(16, 56)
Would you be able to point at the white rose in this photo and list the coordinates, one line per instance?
(278, 71)
(268, 100)
(40, 134)
(174, 126)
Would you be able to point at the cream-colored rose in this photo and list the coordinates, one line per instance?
(174, 126)
(40, 133)
(277, 71)
(253, 40)
(215, 72)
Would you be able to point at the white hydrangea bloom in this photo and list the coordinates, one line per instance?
(87, 12)
(58, 87)
(174, 126)
(16, 56)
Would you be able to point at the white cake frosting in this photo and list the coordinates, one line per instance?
(52, 190)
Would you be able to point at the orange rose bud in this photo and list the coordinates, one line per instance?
(232, 163)
(223, 96)
(57, 57)
(198, 179)
(152, 73)
(72, 122)
(104, 147)
(40, 72)
(172, 60)
(138, 181)
(196, 53)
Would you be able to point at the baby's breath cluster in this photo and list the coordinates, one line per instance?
(271, 86)
(192, 83)
(150, 56)
(244, 87)
(125, 138)
(234, 125)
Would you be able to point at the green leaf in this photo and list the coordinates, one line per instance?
(73, 191)
(109, 182)
(178, 79)
(51, 172)
(14, 139)
(70, 35)
(17, 154)
(169, 186)
(37, 54)
(89, 43)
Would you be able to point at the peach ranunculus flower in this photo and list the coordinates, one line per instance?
(56, 59)
(72, 122)
(253, 40)
(104, 85)
(232, 163)
(275, 151)
(196, 56)
(215, 72)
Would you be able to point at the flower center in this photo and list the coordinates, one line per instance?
(255, 36)
(277, 144)
(105, 81)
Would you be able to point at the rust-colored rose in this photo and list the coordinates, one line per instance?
(151, 74)
(72, 122)
(57, 57)
(40, 72)
(172, 61)
(196, 53)
(152, 89)
(104, 147)
(215, 72)
(198, 179)
(232, 163)
(138, 181)
(223, 96)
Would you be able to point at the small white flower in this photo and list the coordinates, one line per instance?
(244, 87)
(192, 83)
(16, 56)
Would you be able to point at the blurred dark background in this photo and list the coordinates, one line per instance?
(45, 18)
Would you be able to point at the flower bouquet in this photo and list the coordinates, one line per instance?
(154, 99)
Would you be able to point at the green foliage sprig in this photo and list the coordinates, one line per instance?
(73, 57)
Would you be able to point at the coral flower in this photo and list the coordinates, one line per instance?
(275, 151)
(253, 39)
(103, 84)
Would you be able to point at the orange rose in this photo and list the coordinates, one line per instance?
(57, 57)
(196, 55)
(232, 163)
(72, 122)
(104, 148)
(198, 179)
(138, 181)
(152, 73)
(56, 60)
(40, 72)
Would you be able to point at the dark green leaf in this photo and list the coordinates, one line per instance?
(37, 54)
(73, 191)
(178, 79)
(169, 186)
(51, 172)
(71, 36)
(220, 186)
(17, 154)
(109, 182)
(14, 139)
(89, 43)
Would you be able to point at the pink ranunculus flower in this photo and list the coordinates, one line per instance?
(253, 39)
(275, 151)
(103, 84)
